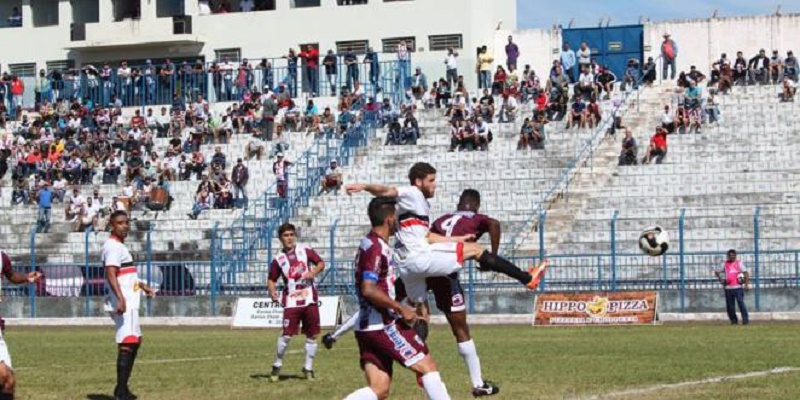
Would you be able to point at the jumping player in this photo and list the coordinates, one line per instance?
(125, 292)
(297, 265)
(7, 379)
(421, 254)
(382, 331)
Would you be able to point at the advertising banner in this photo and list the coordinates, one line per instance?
(595, 308)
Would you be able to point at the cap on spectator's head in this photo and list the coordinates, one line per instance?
(419, 68)
(279, 155)
(333, 161)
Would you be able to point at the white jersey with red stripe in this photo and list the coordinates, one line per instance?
(413, 212)
(116, 254)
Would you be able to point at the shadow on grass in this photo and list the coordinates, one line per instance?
(281, 377)
(96, 396)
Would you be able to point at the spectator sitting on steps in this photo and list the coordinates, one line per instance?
(629, 149)
(789, 90)
(530, 136)
(658, 147)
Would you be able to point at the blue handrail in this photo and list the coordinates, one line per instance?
(86, 233)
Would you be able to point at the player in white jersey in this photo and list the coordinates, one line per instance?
(125, 291)
(421, 254)
(7, 379)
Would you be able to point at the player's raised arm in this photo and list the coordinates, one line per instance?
(374, 189)
(494, 230)
(17, 277)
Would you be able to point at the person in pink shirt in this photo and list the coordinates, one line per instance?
(735, 279)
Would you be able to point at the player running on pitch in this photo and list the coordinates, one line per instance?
(383, 329)
(421, 254)
(125, 293)
(7, 379)
(297, 265)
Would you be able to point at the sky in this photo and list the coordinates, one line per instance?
(587, 13)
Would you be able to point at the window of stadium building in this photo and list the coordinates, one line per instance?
(351, 2)
(12, 11)
(127, 9)
(356, 46)
(169, 8)
(207, 7)
(444, 42)
(390, 44)
(45, 12)
(27, 69)
(304, 3)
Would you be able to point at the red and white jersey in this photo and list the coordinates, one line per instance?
(413, 212)
(290, 266)
(5, 260)
(116, 254)
(373, 263)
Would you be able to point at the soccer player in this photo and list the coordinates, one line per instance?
(383, 332)
(421, 254)
(7, 379)
(123, 300)
(297, 265)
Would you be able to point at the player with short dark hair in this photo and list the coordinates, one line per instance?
(383, 330)
(297, 265)
(125, 292)
(7, 378)
(420, 253)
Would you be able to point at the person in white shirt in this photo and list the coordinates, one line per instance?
(668, 120)
(586, 84)
(124, 75)
(451, 64)
(203, 8)
(420, 254)
(508, 112)
(76, 203)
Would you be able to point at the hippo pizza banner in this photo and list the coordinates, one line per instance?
(595, 308)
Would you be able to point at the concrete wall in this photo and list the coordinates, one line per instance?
(697, 301)
(265, 33)
(700, 41)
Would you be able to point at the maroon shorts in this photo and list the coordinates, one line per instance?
(446, 290)
(448, 293)
(308, 315)
(395, 342)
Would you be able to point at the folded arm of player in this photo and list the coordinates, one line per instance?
(494, 234)
(18, 278)
(378, 298)
(319, 267)
(375, 190)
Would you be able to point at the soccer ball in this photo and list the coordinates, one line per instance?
(654, 241)
(740, 278)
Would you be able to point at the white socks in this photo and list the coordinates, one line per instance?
(470, 355)
(346, 326)
(434, 387)
(362, 394)
(311, 351)
(283, 343)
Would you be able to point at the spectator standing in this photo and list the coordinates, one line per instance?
(45, 208)
(331, 69)
(403, 63)
(729, 277)
(291, 64)
(512, 54)
(669, 53)
(269, 111)
(311, 56)
(485, 61)
(351, 60)
(451, 65)
(584, 56)
(372, 59)
(419, 84)
(568, 61)
(281, 170)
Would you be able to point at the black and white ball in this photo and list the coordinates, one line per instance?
(741, 278)
(654, 241)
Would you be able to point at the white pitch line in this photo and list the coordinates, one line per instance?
(719, 379)
(170, 360)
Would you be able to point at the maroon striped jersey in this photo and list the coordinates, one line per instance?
(461, 223)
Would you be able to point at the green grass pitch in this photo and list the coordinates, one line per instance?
(528, 363)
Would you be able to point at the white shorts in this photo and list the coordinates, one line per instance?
(5, 357)
(128, 329)
(441, 260)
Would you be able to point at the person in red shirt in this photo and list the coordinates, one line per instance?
(311, 56)
(658, 147)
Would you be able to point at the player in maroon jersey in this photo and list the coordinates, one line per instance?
(7, 380)
(447, 290)
(383, 332)
(297, 264)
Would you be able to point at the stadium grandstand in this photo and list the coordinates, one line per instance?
(211, 139)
